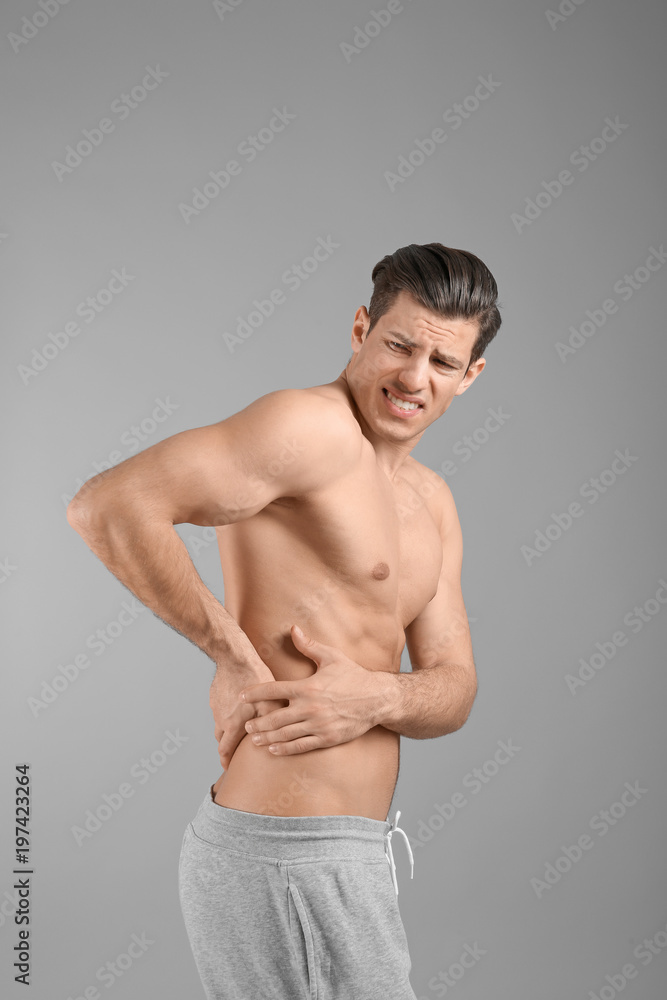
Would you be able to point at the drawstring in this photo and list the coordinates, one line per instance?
(395, 828)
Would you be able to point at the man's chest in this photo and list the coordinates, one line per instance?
(379, 538)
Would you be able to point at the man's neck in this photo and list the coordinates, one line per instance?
(391, 455)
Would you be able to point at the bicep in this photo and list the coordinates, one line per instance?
(201, 476)
(440, 633)
(227, 471)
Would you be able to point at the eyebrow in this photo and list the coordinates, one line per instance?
(449, 358)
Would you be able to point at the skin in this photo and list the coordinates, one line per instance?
(324, 521)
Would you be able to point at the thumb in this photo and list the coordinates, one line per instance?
(311, 648)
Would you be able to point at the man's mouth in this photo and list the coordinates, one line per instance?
(402, 404)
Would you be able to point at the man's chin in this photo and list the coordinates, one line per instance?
(398, 430)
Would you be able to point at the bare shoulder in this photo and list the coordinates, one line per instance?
(435, 493)
(310, 411)
(317, 427)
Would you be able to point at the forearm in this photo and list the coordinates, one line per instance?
(428, 702)
(151, 560)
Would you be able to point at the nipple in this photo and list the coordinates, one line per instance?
(380, 571)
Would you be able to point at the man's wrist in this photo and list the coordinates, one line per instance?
(228, 645)
(388, 698)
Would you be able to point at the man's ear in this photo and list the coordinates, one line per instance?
(360, 327)
(475, 369)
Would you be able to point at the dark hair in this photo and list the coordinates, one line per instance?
(453, 283)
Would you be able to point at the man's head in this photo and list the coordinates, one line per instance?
(432, 314)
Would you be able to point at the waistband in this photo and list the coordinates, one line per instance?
(299, 838)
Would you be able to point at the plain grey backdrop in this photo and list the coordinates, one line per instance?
(533, 136)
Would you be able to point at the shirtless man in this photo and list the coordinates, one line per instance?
(325, 523)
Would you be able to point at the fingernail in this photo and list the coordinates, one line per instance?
(298, 630)
(256, 738)
(273, 748)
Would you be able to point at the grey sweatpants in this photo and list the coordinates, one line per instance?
(292, 907)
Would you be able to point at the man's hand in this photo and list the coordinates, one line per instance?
(229, 713)
(338, 703)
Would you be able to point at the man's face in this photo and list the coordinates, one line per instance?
(414, 356)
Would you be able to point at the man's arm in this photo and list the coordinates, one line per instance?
(343, 700)
(437, 696)
(212, 475)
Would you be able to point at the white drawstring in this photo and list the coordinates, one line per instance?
(395, 828)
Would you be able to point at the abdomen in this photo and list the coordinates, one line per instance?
(355, 778)
(352, 779)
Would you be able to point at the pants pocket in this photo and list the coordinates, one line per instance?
(303, 939)
(183, 848)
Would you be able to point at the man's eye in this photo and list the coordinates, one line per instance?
(394, 343)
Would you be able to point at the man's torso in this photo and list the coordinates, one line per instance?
(353, 564)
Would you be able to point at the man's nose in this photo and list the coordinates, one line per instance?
(412, 374)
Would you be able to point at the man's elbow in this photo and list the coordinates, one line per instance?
(77, 515)
(83, 510)
(467, 702)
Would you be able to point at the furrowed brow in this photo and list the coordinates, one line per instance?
(454, 362)
(448, 358)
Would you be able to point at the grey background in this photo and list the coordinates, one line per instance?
(162, 338)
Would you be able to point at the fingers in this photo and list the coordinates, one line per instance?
(273, 722)
(319, 652)
(271, 691)
(228, 744)
(263, 708)
(288, 740)
(295, 746)
(229, 731)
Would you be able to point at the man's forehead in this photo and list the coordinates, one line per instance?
(409, 317)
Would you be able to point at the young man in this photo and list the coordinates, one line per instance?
(337, 549)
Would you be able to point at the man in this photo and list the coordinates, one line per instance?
(337, 549)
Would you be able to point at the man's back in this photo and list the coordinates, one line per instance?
(352, 562)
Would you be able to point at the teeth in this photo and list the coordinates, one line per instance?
(401, 403)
